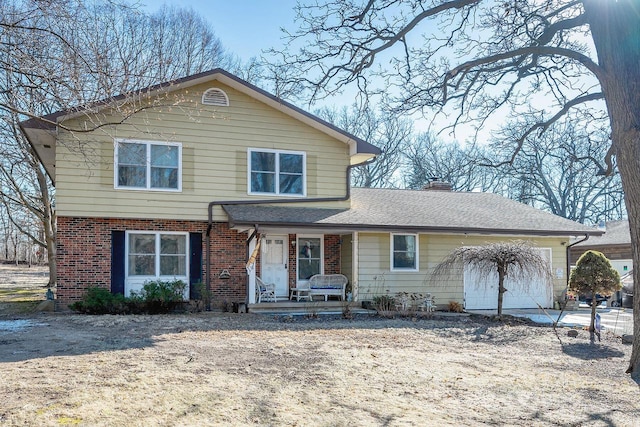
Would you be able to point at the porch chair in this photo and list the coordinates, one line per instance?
(265, 291)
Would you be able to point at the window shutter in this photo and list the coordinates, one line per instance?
(117, 261)
(195, 263)
(215, 96)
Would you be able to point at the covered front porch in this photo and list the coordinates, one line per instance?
(302, 269)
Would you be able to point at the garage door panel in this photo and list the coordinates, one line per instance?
(481, 290)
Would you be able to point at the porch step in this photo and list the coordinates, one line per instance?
(305, 307)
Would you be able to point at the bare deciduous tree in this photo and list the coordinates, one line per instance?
(488, 60)
(387, 132)
(557, 172)
(430, 158)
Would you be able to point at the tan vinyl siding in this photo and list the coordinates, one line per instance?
(376, 277)
(214, 149)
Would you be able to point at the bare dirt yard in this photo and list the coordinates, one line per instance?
(249, 369)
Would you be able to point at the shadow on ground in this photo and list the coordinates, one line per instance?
(588, 351)
(60, 334)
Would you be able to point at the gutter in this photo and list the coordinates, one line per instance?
(347, 196)
(411, 228)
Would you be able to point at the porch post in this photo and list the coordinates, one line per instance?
(251, 274)
(354, 265)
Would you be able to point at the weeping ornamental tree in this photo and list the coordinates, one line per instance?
(517, 260)
(594, 275)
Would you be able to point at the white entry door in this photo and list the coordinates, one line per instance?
(275, 257)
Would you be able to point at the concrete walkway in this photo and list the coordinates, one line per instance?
(616, 320)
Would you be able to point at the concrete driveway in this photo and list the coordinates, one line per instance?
(616, 320)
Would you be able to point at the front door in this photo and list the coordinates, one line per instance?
(275, 256)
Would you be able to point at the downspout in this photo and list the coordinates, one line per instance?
(347, 196)
(586, 237)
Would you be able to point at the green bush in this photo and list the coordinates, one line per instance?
(594, 275)
(156, 297)
(162, 297)
(101, 301)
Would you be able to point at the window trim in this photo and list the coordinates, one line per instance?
(392, 251)
(148, 144)
(130, 279)
(277, 172)
(300, 237)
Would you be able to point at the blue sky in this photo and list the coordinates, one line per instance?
(245, 27)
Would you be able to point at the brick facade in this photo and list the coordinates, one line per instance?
(84, 255)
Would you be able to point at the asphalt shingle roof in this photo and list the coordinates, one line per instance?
(417, 210)
(616, 233)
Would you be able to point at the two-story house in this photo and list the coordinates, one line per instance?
(185, 179)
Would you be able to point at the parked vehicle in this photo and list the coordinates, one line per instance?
(627, 296)
(599, 299)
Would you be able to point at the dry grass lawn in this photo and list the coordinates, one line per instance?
(245, 369)
(21, 288)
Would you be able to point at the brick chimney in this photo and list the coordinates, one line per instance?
(436, 184)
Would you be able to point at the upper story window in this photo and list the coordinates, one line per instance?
(148, 165)
(215, 96)
(404, 252)
(277, 172)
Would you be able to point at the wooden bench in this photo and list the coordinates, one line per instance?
(328, 285)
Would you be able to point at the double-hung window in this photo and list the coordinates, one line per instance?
(310, 256)
(148, 165)
(277, 172)
(404, 252)
(156, 255)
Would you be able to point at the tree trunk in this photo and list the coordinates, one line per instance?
(47, 216)
(616, 35)
(51, 257)
(501, 289)
(49, 227)
(592, 326)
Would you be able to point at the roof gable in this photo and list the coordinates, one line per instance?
(41, 131)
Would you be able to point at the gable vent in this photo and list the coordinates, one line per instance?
(215, 96)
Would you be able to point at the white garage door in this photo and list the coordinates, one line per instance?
(481, 292)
